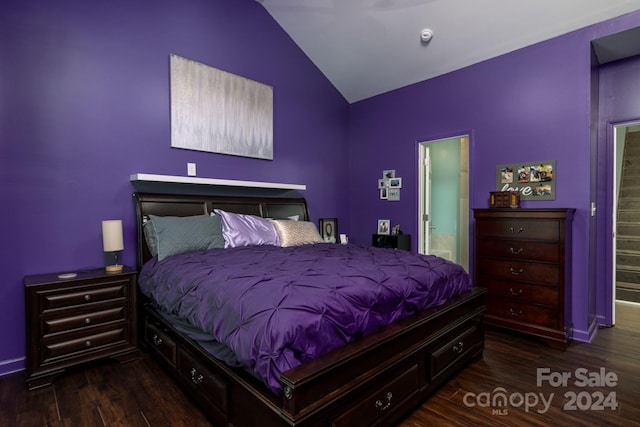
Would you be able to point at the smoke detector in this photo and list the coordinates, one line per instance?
(426, 35)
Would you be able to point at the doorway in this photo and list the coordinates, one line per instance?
(626, 214)
(443, 227)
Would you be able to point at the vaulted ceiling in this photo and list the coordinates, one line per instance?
(368, 47)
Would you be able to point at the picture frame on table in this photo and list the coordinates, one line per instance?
(384, 226)
(329, 229)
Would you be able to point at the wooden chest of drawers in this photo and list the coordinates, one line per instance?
(523, 258)
(88, 317)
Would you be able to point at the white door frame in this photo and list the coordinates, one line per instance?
(617, 146)
(424, 197)
(423, 244)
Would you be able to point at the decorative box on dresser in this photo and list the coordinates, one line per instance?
(79, 319)
(523, 259)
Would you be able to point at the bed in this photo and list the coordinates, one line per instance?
(370, 369)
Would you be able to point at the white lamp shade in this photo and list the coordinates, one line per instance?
(112, 240)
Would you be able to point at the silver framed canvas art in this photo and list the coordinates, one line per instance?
(219, 112)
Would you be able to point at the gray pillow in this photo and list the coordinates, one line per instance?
(172, 235)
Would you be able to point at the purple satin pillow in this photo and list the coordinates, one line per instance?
(246, 230)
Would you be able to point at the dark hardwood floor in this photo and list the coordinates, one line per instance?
(141, 394)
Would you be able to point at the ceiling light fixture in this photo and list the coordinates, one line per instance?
(426, 35)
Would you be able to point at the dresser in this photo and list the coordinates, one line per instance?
(79, 319)
(523, 258)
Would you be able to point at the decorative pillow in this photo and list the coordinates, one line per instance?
(171, 235)
(246, 230)
(296, 233)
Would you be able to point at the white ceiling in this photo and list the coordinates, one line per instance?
(368, 47)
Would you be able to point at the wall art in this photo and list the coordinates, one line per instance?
(219, 112)
(533, 180)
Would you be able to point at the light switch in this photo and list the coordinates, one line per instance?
(191, 169)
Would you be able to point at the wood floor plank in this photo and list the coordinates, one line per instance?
(141, 394)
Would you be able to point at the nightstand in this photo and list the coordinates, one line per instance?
(76, 320)
(394, 241)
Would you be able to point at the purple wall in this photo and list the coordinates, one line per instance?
(84, 93)
(84, 103)
(532, 104)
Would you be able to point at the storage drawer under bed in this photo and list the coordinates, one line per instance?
(159, 341)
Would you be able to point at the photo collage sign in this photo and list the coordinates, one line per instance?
(533, 180)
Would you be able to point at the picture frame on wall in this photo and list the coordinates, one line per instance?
(393, 194)
(329, 229)
(384, 226)
(388, 173)
(395, 183)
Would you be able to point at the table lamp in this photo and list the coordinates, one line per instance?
(112, 241)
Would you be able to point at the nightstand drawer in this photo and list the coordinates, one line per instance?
(519, 250)
(522, 271)
(71, 347)
(82, 295)
(520, 229)
(62, 324)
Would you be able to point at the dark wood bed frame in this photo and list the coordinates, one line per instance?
(375, 380)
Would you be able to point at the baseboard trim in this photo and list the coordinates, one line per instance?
(11, 366)
(589, 334)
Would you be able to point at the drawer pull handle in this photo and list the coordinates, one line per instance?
(514, 231)
(514, 292)
(516, 251)
(87, 297)
(514, 272)
(513, 313)
(196, 377)
(87, 320)
(87, 343)
(382, 406)
(459, 348)
(156, 339)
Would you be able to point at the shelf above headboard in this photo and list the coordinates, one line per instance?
(146, 177)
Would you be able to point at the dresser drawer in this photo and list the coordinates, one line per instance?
(72, 347)
(61, 324)
(525, 313)
(404, 384)
(213, 388)
(522, 292)
(518, 270)
(519, 250)
(160, 341)
(515, 228)
(82, 295)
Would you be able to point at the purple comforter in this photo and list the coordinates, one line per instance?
(276, 308)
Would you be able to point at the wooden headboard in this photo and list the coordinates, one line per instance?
(187, 205)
